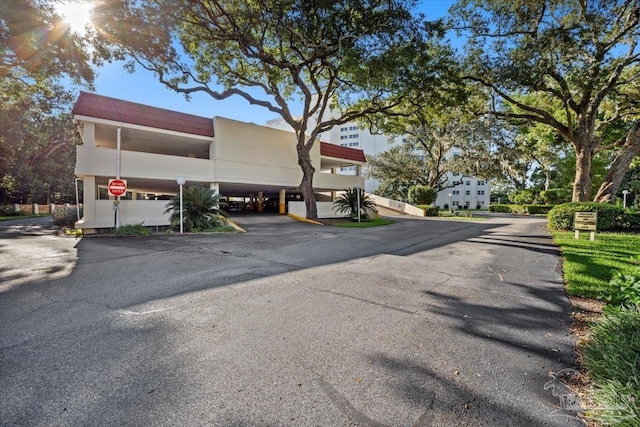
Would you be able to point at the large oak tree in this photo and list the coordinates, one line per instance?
(352, 56)
(579, 54)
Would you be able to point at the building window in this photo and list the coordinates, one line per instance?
(343, 136)
(354, 144)
(455, 173)
(344, 144)
(455, 203)
(467, 193)
(343, 129)
(456, 192)
(353, 127)
(467, 203)
(480, 182)
(480, 192)
(468, 183)
(353, 136)
(404, 140)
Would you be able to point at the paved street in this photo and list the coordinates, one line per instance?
(425, 322)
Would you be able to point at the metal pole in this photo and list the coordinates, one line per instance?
(118, 147)
(624, 198)
(180, 208)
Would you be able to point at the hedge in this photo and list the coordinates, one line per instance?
(538, 209)
(610, 218)
(429, 210)
(66, 216)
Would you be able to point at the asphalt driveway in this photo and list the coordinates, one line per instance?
(422, 323)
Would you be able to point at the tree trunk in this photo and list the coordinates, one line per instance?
(306, 186)
(547, 179)
(631, 148)
(582, 183)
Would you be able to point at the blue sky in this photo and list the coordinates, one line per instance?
(143, 87)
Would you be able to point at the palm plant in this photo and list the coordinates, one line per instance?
(200, 209)
(347, 202)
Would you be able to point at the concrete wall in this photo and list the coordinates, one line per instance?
(325, 210)
(102, 162)
(255, 154)
(148, 212)
(396, 205)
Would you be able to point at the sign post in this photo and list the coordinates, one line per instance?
(585, 221)
(117, 187)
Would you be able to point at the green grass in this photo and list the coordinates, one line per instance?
(12, 217)
(375, 222)
(612, 352)
(612, 358)
(589, 266)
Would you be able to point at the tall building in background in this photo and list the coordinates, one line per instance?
(468, 192)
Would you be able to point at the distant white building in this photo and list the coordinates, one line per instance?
(470, 193)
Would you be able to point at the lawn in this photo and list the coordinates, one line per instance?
(610, 354)
(374, 222)
(589, 266)
(12, 217)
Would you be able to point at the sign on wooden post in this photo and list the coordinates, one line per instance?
(585, 221)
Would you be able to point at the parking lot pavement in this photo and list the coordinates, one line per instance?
(421, 323)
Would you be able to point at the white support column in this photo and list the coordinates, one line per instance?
(215, 186)
(89, 134)
(89, 198)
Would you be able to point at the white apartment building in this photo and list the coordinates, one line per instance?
(470, 193)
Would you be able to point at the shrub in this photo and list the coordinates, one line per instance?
(609, 217)
(522, 197)
(611, 358)
(553, 196)
(347, 203)
(200, 210)
(422, 195)
(500, 208)
(624, 288)
(429, 210)
(446, 206)
(538, 209)
(132, 230)
(630, 222)
(8, 210)
(66, 216)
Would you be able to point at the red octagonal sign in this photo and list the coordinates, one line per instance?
(117, 187)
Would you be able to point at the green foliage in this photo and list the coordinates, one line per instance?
(355, 58)
(538, 60)
(200, 210)
(553, 196)
(589, 266)
(421, 195)
(538, 209)
(374, 222)
(429, 210)
(66, 216)
(132, 230)
(500, 208)
(611, 358)
(630, 222)
(522, 197)
(347, 203)
(609, 217)
(624, 288)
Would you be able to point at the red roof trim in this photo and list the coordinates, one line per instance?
(340, 152)
(104, 107)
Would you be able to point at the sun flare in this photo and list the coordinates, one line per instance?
(76, 14)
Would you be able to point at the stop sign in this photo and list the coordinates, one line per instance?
(117, 187)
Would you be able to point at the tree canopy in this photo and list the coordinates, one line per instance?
(354, 56)
(39, 52)
(578, 62)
